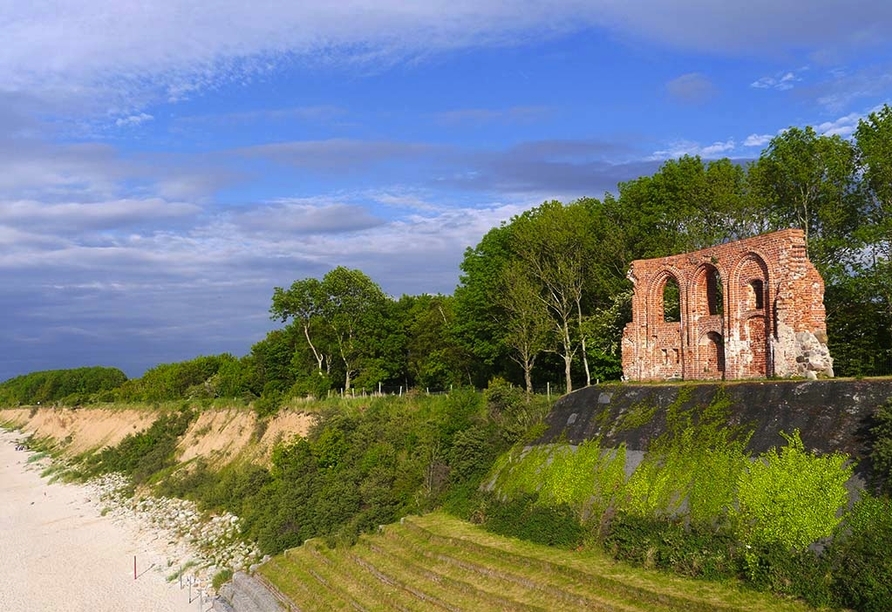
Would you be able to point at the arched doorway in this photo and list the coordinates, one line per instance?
(712, 356)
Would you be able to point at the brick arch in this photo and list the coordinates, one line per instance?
(666, 351)
(703, 296)
(710, 362)
(751, 291)
(655, 293)
(751, 266)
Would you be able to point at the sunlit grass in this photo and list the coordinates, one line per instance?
(436, 560)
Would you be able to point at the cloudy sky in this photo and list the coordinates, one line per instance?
(165, 163)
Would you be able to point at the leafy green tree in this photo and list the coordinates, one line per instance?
(527, 327)
(478, 325)
(555, 243)
(810, 182)
(303, 302)
(792, 497)
(434, 359)
(873, 140)
(351, 298)
(687, 205)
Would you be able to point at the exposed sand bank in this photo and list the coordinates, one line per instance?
(58, 553)
(219, 435)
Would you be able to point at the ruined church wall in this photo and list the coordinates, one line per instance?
(747, 309)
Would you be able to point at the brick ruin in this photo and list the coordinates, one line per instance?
(753, 308)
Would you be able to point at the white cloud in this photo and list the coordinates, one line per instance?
(133, 120)
(846, 125)
(681, 148)
(757, 140)
(125, 54)
(75, 216)
(782, 81)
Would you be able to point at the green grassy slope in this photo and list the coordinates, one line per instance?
(438, 562)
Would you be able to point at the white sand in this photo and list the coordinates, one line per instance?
(58, 553)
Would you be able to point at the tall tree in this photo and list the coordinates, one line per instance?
(477, 326)
(555, 243)
(810, 182)
(351, 298)
(303, 302)
(526, 326)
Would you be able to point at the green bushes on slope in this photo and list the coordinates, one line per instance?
(700, 505)
(365, 464)
(70, 387)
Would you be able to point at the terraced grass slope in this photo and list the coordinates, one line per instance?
(436, 562)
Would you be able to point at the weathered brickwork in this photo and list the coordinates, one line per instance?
(747, 309)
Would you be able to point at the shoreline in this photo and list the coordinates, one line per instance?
(60, 551)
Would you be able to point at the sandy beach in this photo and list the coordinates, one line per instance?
(57, 551)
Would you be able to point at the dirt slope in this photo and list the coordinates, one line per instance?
(217, 434)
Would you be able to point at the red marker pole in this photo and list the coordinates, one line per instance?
(134, 567)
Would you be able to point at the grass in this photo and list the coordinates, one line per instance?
(436, 562)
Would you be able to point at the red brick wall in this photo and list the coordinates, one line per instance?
(742, 304)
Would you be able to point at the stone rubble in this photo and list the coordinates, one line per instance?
(192, 541)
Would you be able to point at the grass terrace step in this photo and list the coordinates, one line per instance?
(436, 562)
(358, 583)
(453, 590)
(500, 570)
(565, 584)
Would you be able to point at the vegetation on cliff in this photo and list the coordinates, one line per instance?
(543, 299)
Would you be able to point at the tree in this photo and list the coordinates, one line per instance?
(687, 205)
(527, 327)
(810, 182)
(873, 140)
(478, 322)
(434, 358)
(351, 298)
(555, 243)
(303, 302)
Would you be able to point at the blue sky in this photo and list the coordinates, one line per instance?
(166, 164)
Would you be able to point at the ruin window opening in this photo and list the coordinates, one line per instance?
(758, 289)
(715, 294)
(715, 360)
(671, 301)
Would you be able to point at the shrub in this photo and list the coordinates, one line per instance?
(860, 553)
(687, 549)
(221, 578)
(881, 446)
(143, 454)
(791, 497)
(524, 518)
(774, 566)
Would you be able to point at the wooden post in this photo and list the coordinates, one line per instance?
(134, 567)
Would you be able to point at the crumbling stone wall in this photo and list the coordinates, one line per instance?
(747, 309)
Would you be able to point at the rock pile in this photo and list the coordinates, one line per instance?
(191, 540)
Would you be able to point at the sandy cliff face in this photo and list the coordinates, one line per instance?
(217, 434)
(80, 430)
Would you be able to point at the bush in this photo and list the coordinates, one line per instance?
(802, 573)
(881, 447)
(146, 453)
(221, 578)
(686, 549)
(791, 497)
(860, 553)
(524, 518)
